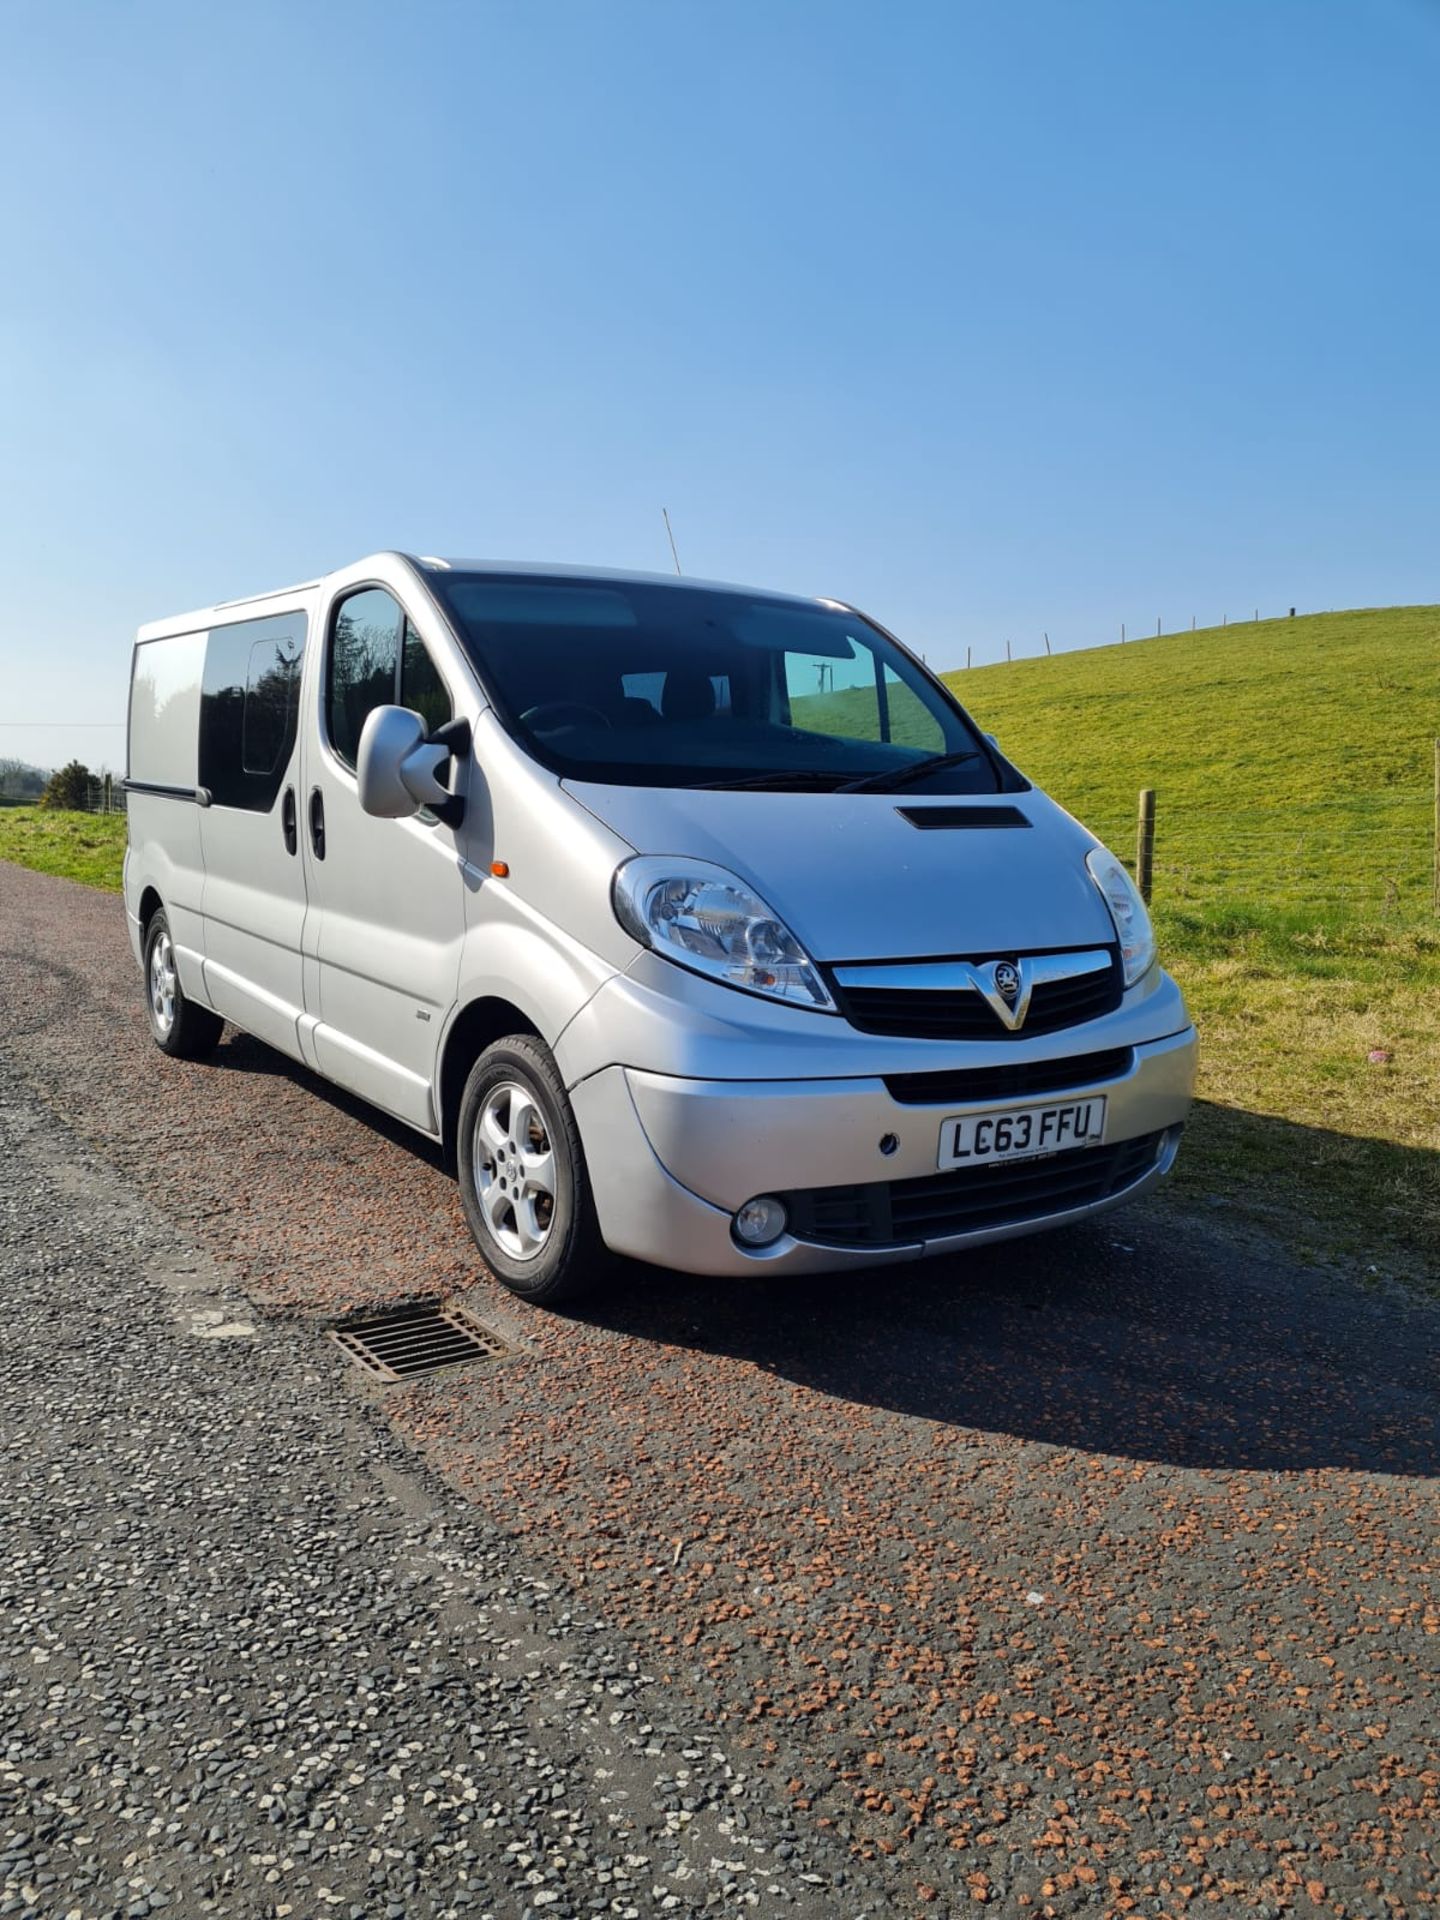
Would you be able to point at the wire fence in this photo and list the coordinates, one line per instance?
(104, 793)
(1372, 859)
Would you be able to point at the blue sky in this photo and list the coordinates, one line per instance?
(994, 319)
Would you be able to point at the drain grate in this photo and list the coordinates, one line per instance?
(420, 1338)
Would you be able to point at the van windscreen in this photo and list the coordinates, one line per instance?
(634, 683)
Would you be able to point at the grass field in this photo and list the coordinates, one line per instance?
(1293, 764)
(79, 846)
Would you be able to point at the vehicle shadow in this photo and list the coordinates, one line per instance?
(240, 1053)
(1167, 1331)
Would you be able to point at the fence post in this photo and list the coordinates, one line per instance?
(967, 656)
(1145, 842)
(107, 793)
(1007, 653)
(1047, 643)
(1435, 878)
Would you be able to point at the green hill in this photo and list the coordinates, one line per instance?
(1293, 759)
(1293, 762)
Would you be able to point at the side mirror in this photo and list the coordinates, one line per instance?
(398, 766)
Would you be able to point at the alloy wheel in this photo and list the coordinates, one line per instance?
(515, 1170)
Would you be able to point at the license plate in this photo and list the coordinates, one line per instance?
(1021, 1133)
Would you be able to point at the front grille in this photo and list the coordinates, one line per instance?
(970, 1199)
(1014, 1080)
(962, 1014)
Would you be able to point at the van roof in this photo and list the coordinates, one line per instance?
(553, 570)
(433, 563)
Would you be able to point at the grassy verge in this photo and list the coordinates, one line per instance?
(1319, 1110)
(89, 847)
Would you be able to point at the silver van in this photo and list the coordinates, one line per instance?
(700, 924)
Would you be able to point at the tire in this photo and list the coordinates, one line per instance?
(178, 1027)
(523, 1182)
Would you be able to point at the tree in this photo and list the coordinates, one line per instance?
(69, 788)
(20, 781)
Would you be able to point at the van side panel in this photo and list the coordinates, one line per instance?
(164, 831)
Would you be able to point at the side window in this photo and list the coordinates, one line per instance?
(644, 686)
(421, 688)
(249, 702)
(364, 665)
(834, 693)
(912, 724)
(830, 694)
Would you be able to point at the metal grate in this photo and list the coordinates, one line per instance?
(421, 1338)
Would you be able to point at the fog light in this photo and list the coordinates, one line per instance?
(759, 1221)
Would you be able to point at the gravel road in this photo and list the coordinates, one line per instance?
(252, 1662)
(1095, 1575)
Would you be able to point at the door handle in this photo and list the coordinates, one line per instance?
(317, 823)
(287, 821)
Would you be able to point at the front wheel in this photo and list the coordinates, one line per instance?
(523, 1182)
(179, 1027)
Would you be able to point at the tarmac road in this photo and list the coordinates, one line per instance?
(1095, 1574)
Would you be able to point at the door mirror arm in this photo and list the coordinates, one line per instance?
(454, 737)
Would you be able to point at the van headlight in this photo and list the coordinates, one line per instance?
(706, 918)
(1127, 910)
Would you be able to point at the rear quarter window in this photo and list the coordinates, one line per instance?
(165, 710)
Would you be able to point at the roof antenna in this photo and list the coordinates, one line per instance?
(673, 554)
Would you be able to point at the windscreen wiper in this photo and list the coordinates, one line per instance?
(778, 778)
(902, 776)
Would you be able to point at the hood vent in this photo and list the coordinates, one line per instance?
(934, 819)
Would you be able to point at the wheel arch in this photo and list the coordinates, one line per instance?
(477, 1025)
(150, 905)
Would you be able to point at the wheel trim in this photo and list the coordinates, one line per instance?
(515, 1170)
(163, 984)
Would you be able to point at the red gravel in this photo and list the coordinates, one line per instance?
(1095, 1575)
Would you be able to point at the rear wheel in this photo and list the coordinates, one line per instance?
(179, 1027)
(523, 1181)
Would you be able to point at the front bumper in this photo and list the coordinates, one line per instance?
(671, 1159)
